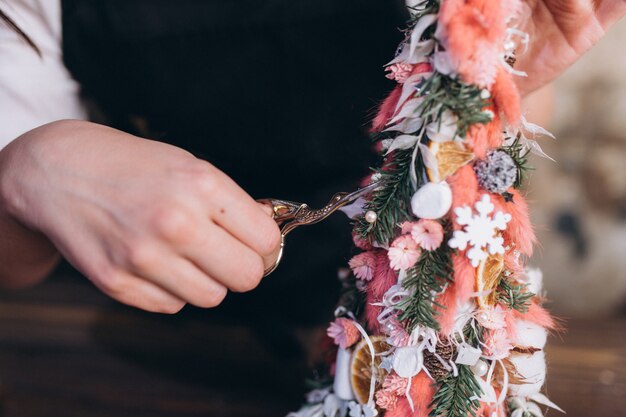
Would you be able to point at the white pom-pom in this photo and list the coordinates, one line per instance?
(532, 370)
(432, 200)
(530, 335)
(407, 361)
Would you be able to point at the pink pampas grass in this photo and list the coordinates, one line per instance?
(457, 293)
(484, 137)
(386, 110)
(519, 230)
(421, 392)
(506, 97)
(464, 187)
(384, 277)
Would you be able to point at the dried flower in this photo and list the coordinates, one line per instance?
(492, 318)
(497, 344)
(363, 265)
(399, 72)
(394, 383)
(386, 400)
(343, 332)
(497, 172)
(427, 233)
(403, 253)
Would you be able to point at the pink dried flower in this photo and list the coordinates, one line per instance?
(497, 344)
(363, 265)
(492, 318)
(395, 384)
(427, 233)
(407, 227)
(403, 253)
(386, 400)
(343, 332)
(399, 72)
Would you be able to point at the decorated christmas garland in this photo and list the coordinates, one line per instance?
(441, 317)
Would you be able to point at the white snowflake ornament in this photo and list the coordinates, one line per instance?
(481, 231)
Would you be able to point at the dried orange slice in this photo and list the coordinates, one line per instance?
(488, 277)
(450, 157)
(361, 367)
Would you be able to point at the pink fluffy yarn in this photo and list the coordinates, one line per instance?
(421, 392)
(384, 277)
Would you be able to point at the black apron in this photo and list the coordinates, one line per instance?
(276, 93)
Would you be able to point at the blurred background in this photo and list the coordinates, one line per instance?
(66, 350)
(578, 205)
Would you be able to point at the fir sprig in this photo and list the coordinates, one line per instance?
(425, 280)
(441, 92)
(391, 201)
(473, 333)
(514, 296)
(520, 156)
(457, 396)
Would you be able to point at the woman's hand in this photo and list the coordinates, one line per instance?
(151, 225)
(560, 32)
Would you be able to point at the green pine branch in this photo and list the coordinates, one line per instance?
(520, 156)
(392, 201)
(513, 296)
(473, 333)
(456, 396)
(429, 277)
(441, 92)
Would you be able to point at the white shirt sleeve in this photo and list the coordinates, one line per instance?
(34, 90)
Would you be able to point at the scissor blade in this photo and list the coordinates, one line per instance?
(355, 195)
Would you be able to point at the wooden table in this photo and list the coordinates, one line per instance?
(66, 350)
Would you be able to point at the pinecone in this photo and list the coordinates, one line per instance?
(436, 369)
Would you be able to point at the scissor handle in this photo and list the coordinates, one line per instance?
(289, 215)
(278, 258)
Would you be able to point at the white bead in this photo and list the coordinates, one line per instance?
(485, 94)
(371, 216)
(480, 368)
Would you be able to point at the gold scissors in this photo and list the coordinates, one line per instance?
(289, 214)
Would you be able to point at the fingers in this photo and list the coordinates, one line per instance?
(270, 260)
(610, 11)
(137, 292)
(221, 256)
(183, 279)
(248, 221)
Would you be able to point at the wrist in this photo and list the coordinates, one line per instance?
(26, 255)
